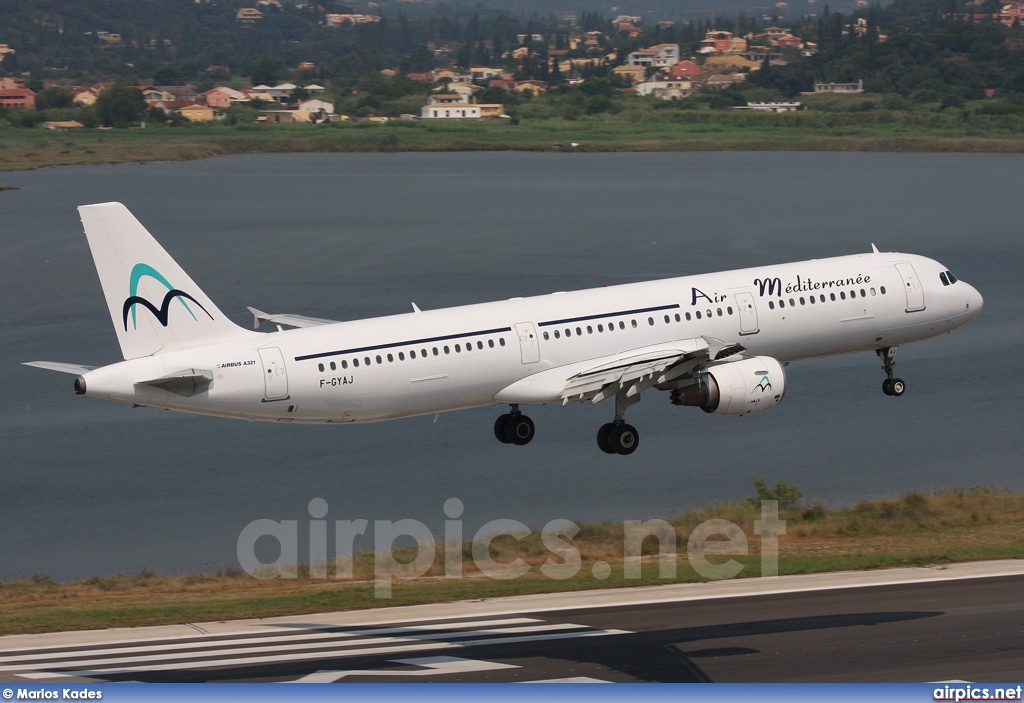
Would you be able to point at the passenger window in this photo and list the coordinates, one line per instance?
(545, 336)
(667, 319)
(447, 350)
(600, 328)
(390, 358)
(344, 364)
(842, 295)
(650, 321)
(579, 332)
(333, 366)
(832, 297)
(862, 294)
(823, 297)
(412, 353)
(697, 314)
(678, 319)
(320, 366)
(590, 330)
(401, 356)
(501, 341)
(792, 303)
(458, 349)
(872, 291)
(435, 351)
(853, 294)
(366, 361)
(557, 335)
(729, 309)
(771, 305)
(490, 343)
(881, 289)
(802, 302)
(355, 362)
(633, 322)
(480, 345)
(719, 312)
(379, 360)
(812, 300)
(687, 317)
(709, 313)
(782, 303)
(568, 332)
(622, 325)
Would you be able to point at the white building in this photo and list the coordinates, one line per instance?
(450, 111)
(770, 107)
(659, 56)
(668, 89)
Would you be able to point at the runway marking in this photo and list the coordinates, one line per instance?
(431, 666)
(212, 653)
(322, 648)
(275, 636)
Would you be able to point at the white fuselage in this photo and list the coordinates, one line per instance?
(440, 360)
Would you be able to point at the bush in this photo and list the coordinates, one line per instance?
(786, 494)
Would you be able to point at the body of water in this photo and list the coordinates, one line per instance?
(91, 488)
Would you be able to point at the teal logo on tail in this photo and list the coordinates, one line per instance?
(163, 312)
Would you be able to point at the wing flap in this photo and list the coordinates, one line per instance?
(287, 319)
(636, 371)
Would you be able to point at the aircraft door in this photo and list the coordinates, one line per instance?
(912, 286)
(528, 342)
(747, 313)
(275, 376)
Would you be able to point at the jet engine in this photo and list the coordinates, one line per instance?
(735, 387)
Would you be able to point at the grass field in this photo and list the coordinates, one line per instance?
(911, 530)
(637, 130)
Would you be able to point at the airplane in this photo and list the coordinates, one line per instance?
(716, 341)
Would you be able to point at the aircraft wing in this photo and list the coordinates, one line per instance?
(76, 369)
(643, 368)
(287, 319)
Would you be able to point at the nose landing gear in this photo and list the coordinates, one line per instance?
(890, 386)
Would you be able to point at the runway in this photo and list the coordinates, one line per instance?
(961, 623)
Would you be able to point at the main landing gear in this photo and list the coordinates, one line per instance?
(890, 386)
(514, 427)
(618, 437)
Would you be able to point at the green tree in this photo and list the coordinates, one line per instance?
(120, 105)
(264, 71)
(55, 97)
(785, 493)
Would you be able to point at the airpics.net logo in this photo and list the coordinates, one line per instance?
(491, 547)
(163, 312)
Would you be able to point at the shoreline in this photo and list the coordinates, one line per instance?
(32, 150)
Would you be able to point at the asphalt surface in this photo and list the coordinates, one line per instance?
(970, 630)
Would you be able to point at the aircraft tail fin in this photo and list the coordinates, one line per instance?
(153, 303)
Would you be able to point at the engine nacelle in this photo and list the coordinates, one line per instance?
(735, 387)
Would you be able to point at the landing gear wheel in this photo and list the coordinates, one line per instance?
(602, 438)
(897, 387)
(519, 429)
(887, 386)
(499, 428)
(624, 439)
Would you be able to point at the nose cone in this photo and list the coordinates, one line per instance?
(973, 302)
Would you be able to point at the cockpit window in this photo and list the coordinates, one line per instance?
(952, 278)
(942, 277)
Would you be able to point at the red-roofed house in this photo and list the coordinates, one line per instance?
(684, 69)
(18, 97)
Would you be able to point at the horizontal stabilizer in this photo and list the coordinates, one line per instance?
(76, 369)
(187, 382)
(287, 319)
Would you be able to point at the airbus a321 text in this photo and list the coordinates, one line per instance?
(715, 341)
